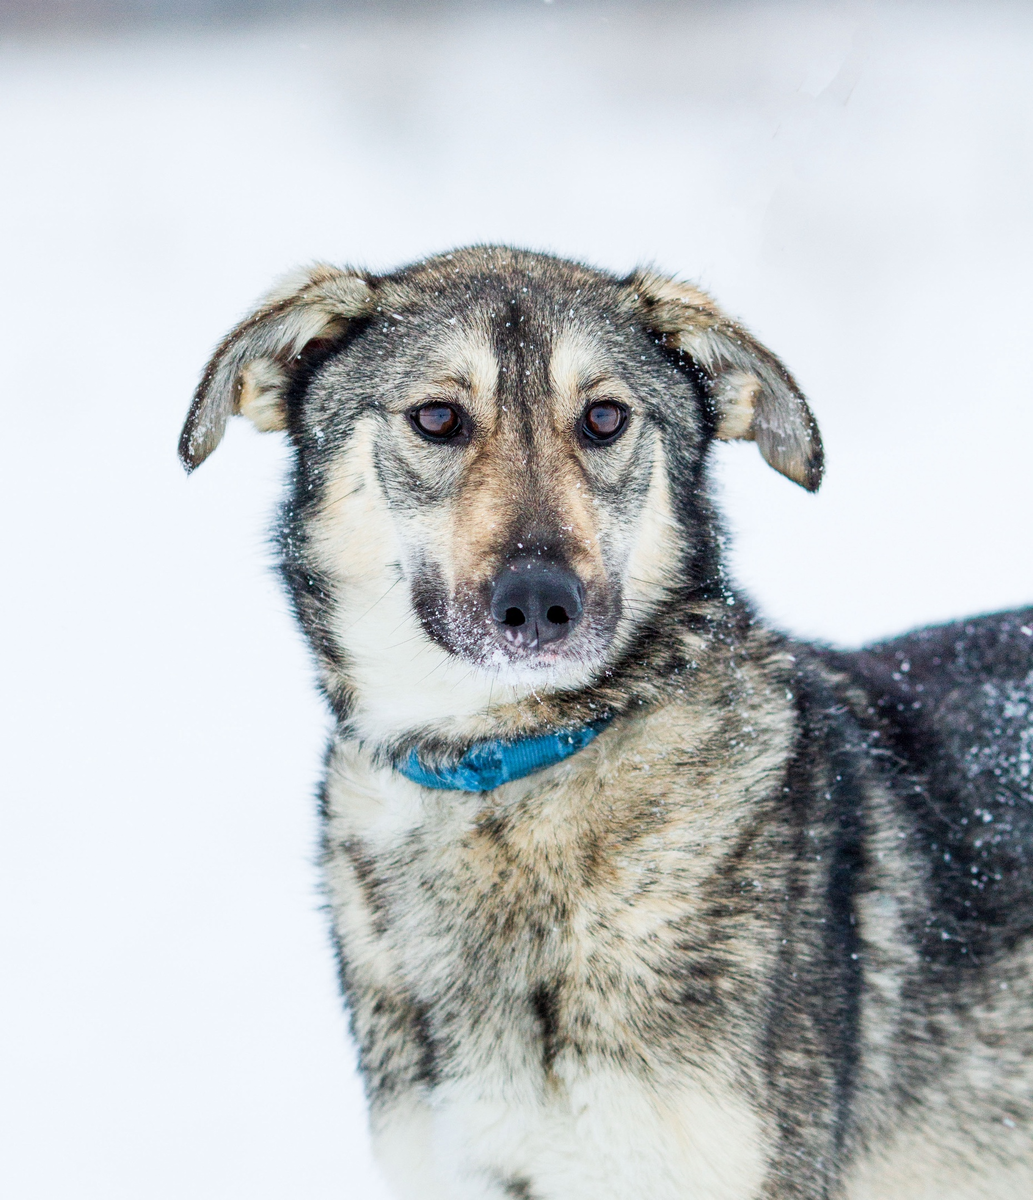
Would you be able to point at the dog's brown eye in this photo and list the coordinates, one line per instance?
(604, 420)
(439, 422)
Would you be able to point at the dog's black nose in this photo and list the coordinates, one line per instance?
(536, 601)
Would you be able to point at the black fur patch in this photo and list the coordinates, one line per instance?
(546, 1008)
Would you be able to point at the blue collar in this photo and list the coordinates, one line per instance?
(488, 765)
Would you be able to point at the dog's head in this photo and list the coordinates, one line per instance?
(500, 459)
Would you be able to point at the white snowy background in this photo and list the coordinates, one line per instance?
(853, 180)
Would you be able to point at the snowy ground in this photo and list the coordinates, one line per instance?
(853, 180)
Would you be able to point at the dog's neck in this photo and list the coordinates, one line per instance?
(465, 719)
(490, 764)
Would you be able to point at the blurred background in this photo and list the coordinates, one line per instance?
(852, 179)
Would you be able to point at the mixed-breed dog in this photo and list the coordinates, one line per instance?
(633, 895)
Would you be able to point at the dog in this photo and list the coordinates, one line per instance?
(632, 894)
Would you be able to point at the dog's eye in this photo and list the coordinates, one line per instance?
(604, 421)
(439, 422)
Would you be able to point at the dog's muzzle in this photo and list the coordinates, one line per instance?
(536, 602)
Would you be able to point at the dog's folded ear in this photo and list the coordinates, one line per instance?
(252, 368)
(754, 396)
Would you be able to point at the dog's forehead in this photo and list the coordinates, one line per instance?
(497, 334)
(495, 270)
(529, 295)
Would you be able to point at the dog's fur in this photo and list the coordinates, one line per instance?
(768, 935)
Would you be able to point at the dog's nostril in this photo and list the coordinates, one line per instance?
(535, 602)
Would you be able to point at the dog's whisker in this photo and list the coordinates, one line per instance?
(416, 637)
(374, 605)
(437, 667)
(491, 688)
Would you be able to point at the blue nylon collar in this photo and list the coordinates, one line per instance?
(488, 765)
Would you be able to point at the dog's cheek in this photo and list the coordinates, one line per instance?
(437, 520)
(430, 601)
(649, 541)
(352, 535)
(459, 622)
(426, 533)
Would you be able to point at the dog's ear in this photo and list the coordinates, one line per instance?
(251, 370)
(754, 396)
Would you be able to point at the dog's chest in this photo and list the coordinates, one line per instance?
(502, 925)
(553, 959)
(562, 920)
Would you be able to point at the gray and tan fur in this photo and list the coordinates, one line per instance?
(769, 934)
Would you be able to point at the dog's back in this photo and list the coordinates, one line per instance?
(956, 708)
